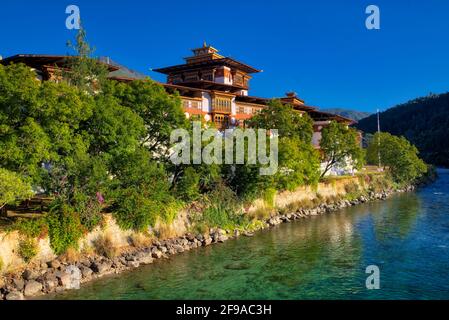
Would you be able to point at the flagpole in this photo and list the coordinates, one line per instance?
(378, 138)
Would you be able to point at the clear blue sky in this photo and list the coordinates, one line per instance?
(320, 49)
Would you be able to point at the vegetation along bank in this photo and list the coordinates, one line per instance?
(95, 153)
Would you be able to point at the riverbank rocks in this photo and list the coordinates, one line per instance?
(101, 267)
(207, 241)
(86, 272)
(274, 221)
(19, 284)
(29, 274)
(55, 264)
(14, 295)
(32, 288)
(70, 278)
(59, 275)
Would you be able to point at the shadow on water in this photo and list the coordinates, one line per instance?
(320, 257)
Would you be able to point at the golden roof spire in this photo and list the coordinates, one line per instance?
(204, 44)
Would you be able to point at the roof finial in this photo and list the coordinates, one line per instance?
(204, 44)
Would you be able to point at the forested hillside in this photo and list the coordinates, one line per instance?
(424, 121)
(347, 113)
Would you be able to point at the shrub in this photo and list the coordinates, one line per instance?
(300, 204)
(2, 265)
(187, 189)
(32, 228)
(28, 249)
(223, 209)
(104, 246)
(142, 192)
(64, 227)
(261, 213)
(134, 211)
(200, 227)
(269, 196)
(89, 210)
(166, 231)
(139, 240)
(71, 255)
(351, 187)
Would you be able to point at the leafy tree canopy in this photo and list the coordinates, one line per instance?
(340, 145)
(398, 154)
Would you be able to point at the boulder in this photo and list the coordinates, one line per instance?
(199, 237)
(222, 238)
(190, 237)
(207, 241)
(133, 264)
(146, 259)
(71, 278)
(29, 274)
(14, 295)
(157, 254)
(55, 264)
(51, 284)
(163, 249)
(100, 267)
(178, 248)
(19, 284)
(86, 272)
(32, 288)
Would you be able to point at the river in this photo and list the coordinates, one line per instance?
(322, 257)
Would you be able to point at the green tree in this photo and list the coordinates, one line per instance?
(141, 191)
(24, 144)
(82, 69)
(161, 112)
(298, 162)
(284, 118)
(398, 154)
(12, 188)
(340, 145)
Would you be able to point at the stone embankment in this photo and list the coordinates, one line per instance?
(58, 275)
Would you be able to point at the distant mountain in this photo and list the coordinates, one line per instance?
(351, 114)
(122, 72)
(424, 121)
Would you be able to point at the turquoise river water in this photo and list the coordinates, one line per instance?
(323, 257)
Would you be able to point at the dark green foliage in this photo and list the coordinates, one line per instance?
(134, 211)
(64, 227)
(423, 121)
(298, 161)
(141, 192)
(187, 188)
(398, 155)
(160, 112)
(31, 228)
(347, 113)
(28, 249)
(285, 119)
(12, 188)
(299, 164)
